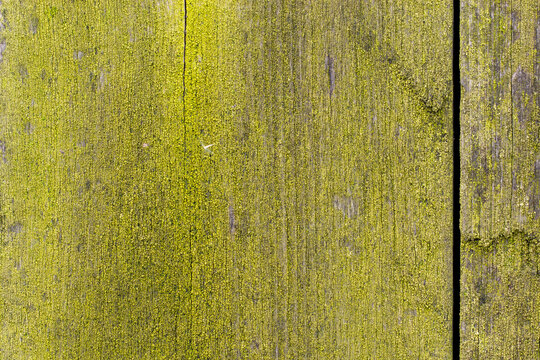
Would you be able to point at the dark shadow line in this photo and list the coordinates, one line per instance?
(184, 178)
(190, 336)
(456, 256)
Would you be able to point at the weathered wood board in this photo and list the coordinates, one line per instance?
(500, 153)
(317, 227)
(336, 169)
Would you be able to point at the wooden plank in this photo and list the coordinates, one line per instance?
(91, 261)
(317, 226)
(329, 187)
(500, 179)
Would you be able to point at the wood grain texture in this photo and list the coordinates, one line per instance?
(500, 124)
(318, 225)
(92, 264)
(338, 182)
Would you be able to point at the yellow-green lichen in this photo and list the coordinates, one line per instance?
(318, 226)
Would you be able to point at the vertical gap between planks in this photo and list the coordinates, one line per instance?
(456, 269)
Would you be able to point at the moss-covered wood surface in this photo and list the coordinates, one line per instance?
(318, 225)
(500, 153)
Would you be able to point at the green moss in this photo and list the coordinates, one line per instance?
(317, 227)
(499, 180)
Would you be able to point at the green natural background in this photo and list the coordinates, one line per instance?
(318, 225)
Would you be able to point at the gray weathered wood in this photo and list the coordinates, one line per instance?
(500, 124)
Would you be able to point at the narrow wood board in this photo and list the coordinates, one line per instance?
(500, 188)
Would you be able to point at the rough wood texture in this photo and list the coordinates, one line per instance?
(500, 127)
(338, 182)
(317, 227)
